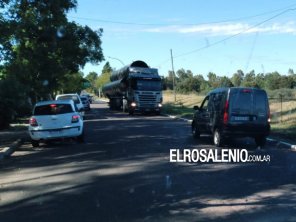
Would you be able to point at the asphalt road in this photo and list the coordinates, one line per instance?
(122, 173)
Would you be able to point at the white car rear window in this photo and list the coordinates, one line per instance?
(74, 98)
(52, 109)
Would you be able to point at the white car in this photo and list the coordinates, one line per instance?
(75, 97)
(55, 119)
(85, 102)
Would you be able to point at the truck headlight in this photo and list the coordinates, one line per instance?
(133, 104)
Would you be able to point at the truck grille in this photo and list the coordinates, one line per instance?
(147, 100)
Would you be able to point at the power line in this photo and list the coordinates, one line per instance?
(237, 34)
(184, 24)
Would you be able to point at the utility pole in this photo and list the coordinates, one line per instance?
(174, 85)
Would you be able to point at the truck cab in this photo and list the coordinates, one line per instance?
(135, 88)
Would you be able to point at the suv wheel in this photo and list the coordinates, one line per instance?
(195, 132)
(260, 141)
(218, 140)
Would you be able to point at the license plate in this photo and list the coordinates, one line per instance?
(147, 110)
(55, 133)
(241, 118)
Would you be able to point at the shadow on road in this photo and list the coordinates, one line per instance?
(123, 173)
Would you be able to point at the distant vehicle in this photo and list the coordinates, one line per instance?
(89, 97)
(55, 119)
(85, 102)
(233, 112)
(75, 97)
(135, 87)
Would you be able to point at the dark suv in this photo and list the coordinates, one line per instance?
(233, 112)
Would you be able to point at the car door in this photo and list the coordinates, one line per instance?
(203, 116)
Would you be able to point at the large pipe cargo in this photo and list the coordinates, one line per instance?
(135, 87)
(124, 72)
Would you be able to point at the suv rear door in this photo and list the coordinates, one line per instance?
(248, 106)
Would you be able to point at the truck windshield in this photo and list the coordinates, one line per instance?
(148, 85)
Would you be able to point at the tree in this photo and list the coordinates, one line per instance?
(249, 80)
(260, 80)
(104, 77)
(225, 82)
(187, 85)
(72, 82)
(92, 77)
(237, 78)
(292, 77)
(45, 49)
(182, 74)
(213, 81)
(272, 80)
(13, 101)
(169, 81)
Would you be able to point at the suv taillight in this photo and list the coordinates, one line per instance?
(75, 119)
(33, 122)
(225, 114)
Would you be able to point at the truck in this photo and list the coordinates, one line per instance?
(135, 88)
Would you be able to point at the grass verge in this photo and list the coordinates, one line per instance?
(178, 110)
(284, 130)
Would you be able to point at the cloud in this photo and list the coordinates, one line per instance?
(227, 29)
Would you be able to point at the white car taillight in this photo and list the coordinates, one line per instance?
(75, 118)
(33, 122)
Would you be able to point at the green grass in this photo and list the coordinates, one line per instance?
(284, 130)
(178, 110)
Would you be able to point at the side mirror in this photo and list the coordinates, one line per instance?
(196, 107)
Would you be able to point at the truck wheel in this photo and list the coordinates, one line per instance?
(217, 138)
(35, 143)
(131, 112)
(260, 141)
(195, 132)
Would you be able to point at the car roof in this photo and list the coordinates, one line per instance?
(225, 89)
(69, 94)
(43, 103)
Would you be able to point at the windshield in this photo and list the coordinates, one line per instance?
(148, 85)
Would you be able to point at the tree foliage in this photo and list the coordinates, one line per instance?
(45, 48)
(104, 77)
(187, 82)
(42, 50)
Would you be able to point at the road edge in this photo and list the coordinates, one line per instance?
(289, 145)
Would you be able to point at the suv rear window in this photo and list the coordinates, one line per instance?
(74, 98)
(52, 109)
(246, 101)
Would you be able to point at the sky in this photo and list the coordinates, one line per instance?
(219, 36)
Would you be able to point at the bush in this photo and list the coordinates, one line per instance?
(13, 101)
(286, 93)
